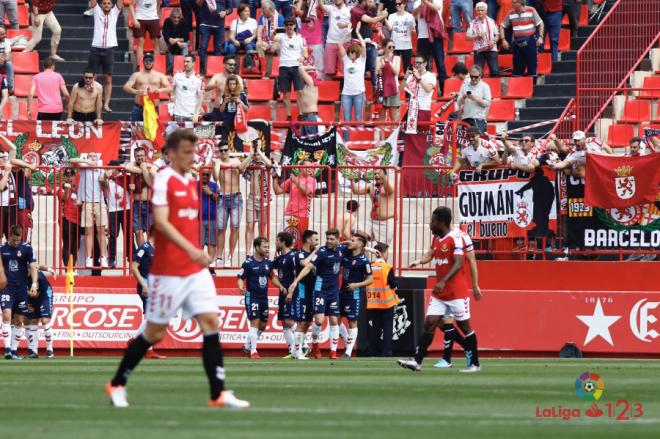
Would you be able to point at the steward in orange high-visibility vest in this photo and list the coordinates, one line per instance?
(379, 293)
(381, 303)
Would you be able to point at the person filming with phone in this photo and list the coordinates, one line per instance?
(474, 100)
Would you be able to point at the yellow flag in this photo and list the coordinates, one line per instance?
(70, 282)
(150, 118)
(68, 288)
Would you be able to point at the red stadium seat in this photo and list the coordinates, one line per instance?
(280, 113)
(165, 14)
(231, 17)
(23, 16)
(327, 113)
(329, 91)
(260, 90)
(495, 85)
(25, 62)
(505, 63)
(544, 64)
(148, 45)
(163, 114)
(452, 85)
(260, 112)
(468, 61)
(636, 112)
(651, 82)
(520, 87)
(178, 64)
(502, 110)
(13, 33)
(214, 64)
(22, 110)
(461, 44)
(275, 67)
(564, 40)
(22, 84)
(450, 62)
(619, 135)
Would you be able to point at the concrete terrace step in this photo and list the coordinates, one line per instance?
(560, 78)
(563, 90)
(540, 113)
(546, 102)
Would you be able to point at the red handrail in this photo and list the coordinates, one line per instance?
(611, 54)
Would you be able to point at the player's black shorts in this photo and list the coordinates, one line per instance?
(17, 301)
(284, 310)
(102, 60)
(303, 303)
(256, 307)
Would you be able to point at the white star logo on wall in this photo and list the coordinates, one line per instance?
(599, 324)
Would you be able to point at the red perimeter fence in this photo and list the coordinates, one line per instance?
(612, 53)
(99, 213)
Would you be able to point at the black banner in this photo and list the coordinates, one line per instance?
(632, 228)
(319, 150)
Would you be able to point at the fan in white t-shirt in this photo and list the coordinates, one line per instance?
(480, 153)
(522, 157)
(353, 94)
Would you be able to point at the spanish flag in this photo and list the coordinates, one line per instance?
(150, 118)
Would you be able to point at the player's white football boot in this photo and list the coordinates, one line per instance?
(227, 399)
(442, 364)
(410, 364)
(471, 369)
(116, 394)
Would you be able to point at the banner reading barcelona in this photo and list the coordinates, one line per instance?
(506, 203)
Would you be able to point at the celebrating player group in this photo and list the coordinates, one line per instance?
(314, 281)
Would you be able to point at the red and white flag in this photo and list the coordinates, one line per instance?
(617, 182)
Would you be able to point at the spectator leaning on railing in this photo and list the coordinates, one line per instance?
(142, 174)
(119, 213)
(474, 100)
(479, 153)
(520, 157)
(94, 210)
(484, 33)
(208, 192)
(576, 160)
(69, 215)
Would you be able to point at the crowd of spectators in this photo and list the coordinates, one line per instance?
(348, 40)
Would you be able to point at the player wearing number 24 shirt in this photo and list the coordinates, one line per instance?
(450, 294)
(179, 278)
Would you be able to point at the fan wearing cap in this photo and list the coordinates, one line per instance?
(147, 82)
(479, 153)
(576, 160)
(293, 51)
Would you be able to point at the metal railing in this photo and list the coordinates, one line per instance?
(610, 55)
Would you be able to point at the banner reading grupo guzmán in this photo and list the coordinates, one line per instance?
(506, 203)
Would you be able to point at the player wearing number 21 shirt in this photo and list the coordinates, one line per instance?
(179, 278)
(450, 294)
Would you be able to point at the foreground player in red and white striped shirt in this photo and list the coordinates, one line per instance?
(179, 278)
(450, 294)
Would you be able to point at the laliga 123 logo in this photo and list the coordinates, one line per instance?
(589, 386)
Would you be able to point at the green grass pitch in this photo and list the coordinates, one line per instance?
(361, 398)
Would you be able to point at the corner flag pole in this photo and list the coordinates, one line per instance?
(70, 282)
